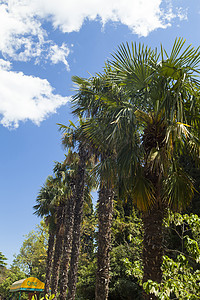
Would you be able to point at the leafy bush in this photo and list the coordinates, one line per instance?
(181, 274)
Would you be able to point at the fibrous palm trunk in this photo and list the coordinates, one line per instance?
(58, 251)
(50, 253)
(154, 138)
(78, 213)
(69, 222)
(153, 247)
(105, 210)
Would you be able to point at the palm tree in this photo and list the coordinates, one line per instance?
(159, 94)
(52, 202)
(79, 200)
(105, 172)
(71, 159)
(147, 102)
(45, 208)
(72, 138)
(62, 194)
(105, 214)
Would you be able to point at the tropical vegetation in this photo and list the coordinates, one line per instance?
(135, 140)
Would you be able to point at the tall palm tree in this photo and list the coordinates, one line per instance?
(72, 138)
(71, 159)
(45, 208)
(105, 172)
(105, 214)
(80, 182)
(62, 195)
(159, 95)
(149, 125)
(52, 203)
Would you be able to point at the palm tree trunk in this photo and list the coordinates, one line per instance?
(80, 182)
(58, 251)
(69, 222)
(153, 246)
(50, 253)
(105, 210)
(72, 279)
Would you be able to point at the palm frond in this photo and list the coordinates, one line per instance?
(158, 162)
(131, 66)
(142, 192)
(178, 188)
(106, 171)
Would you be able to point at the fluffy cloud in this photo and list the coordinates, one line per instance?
(23, 35)
(140, 16)
(25, 98)
(59, 54)
(5, 65)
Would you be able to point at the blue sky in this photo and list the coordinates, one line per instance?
(42, 44)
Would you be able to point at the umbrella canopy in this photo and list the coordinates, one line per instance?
(28, 284)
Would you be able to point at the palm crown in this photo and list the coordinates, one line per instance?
(146, 99)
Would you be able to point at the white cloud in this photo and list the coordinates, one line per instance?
(5, 65)
(21, 21)
(140, 16)
(25, 98)
(182, 14)
(59, 54)
(22, 34)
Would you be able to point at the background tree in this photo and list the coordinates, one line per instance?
(10, 276)
(32, 255)
(2, 260)
(3, 270)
